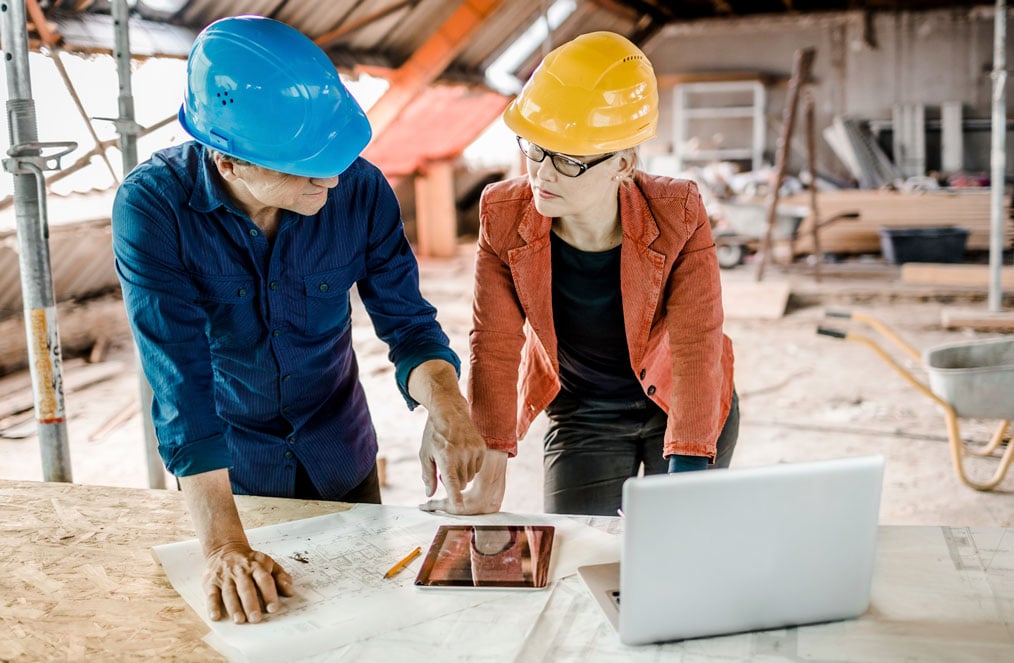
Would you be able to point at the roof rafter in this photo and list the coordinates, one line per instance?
(430, 60)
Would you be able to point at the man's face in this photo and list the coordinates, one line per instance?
(270, 188)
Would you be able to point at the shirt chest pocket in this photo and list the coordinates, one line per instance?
(327, 300)
(231, 306)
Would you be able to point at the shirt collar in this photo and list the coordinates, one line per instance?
(209, 193)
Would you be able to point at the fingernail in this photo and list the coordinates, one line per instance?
(255, 617)
(238, 619)
(272, 607)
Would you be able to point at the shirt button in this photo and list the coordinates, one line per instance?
(241, 292)
(642, 374)
(285, 409)
(291, 439)
(254, 232)
(273, 285)
(276, 332)
(322, 287)
(289, 454)
(286, 377)
(651, 390)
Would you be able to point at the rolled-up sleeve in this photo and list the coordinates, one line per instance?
(169, 328)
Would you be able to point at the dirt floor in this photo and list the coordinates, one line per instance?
(803, 396)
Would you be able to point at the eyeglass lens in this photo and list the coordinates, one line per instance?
(563, 164)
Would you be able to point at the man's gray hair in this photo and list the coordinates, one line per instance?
(231, 159)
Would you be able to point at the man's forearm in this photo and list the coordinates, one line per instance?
(432, 382)
(213, 510)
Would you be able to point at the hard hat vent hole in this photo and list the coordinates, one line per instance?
(633, 58)
(220, 95)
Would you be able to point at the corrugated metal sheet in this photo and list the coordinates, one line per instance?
(82, 261)
(388, 40)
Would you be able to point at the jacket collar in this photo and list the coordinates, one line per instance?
(639, 224)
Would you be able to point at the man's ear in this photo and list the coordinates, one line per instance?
(225, 167)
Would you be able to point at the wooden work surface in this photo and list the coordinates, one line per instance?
(78, 581)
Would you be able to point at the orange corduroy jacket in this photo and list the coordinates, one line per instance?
(672, 311)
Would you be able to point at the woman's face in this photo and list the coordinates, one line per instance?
(557, 195)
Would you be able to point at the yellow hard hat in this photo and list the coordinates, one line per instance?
(595, 94)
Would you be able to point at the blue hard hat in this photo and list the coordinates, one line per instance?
(261, 91)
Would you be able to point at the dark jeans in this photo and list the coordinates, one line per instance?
(592, 447)
(367, 492)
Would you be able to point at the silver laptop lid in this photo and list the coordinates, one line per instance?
(725, 551)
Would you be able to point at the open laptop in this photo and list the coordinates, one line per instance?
(727, 551)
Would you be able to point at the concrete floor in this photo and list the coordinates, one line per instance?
(803, 396)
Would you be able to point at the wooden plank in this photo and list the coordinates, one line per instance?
(75, 377)
(970, 276)
(965, 208)
(765, 300)
(978, 320)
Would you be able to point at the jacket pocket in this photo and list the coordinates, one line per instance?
(231, 305)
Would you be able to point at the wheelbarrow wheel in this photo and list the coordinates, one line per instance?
(730, 252)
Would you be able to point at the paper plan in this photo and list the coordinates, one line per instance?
(338, 562)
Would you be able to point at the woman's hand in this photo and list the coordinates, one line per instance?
(483, 495)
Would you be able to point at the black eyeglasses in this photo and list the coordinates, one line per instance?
(564, 165)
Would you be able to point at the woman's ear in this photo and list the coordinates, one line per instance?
(628, 164)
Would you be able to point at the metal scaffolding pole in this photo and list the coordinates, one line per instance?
(998, 157)
(26, 162)
(128, 131)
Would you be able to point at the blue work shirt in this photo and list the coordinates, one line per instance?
(247, 344)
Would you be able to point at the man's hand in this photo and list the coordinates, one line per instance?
(242, 583)
(452, 449)
(485, 495)
(239, 582)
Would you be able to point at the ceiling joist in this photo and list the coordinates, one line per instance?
(430, 60)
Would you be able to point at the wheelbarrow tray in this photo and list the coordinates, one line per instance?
(975, 377)
(750, 220)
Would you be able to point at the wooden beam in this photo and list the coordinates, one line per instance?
(979, 320)
(957, 275)
(49, 37)
(430, 60)
(436, 219)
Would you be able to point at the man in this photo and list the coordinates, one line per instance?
(236, 253)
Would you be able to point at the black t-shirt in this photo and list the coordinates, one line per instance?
(588, 314)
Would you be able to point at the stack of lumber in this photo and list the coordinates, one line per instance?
(965, 208)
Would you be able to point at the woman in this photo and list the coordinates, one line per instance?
(597, 295)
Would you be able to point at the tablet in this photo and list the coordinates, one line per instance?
(504, 556)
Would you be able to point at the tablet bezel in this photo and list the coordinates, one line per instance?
(426, 578)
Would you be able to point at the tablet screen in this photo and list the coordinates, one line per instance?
(488, 556)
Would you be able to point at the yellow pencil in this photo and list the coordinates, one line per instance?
(403, 563)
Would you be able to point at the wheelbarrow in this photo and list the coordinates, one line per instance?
(970, 379)
(742, 226)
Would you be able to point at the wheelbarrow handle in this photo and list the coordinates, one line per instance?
(833, 333)
(880, 327)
